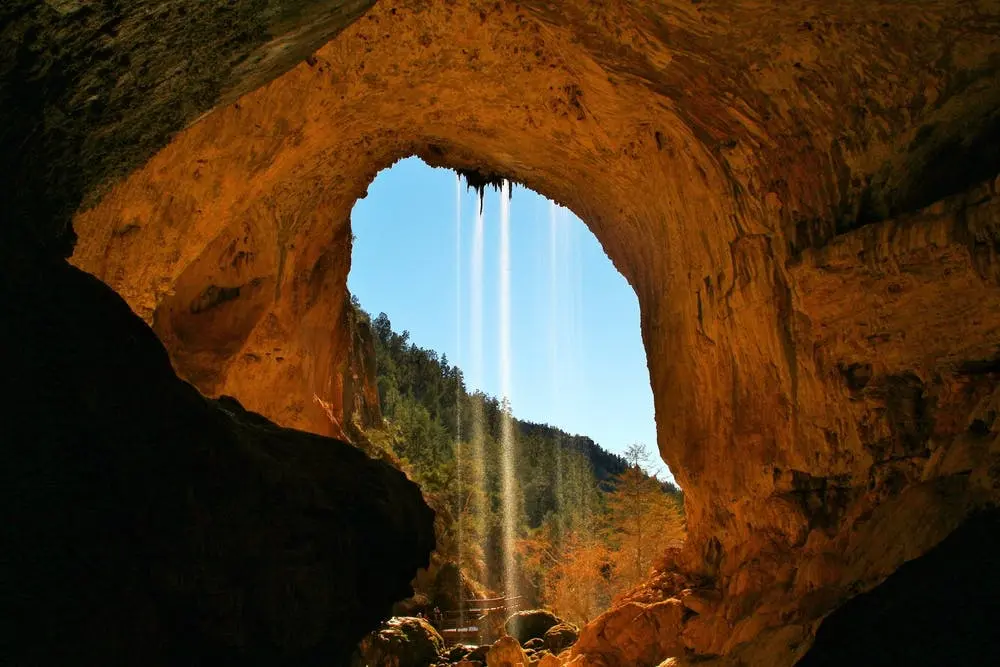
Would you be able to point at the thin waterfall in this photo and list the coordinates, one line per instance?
(508, 483)
(575, 276)
(476, 380)
(570, 317)
(555, 384)
(458, 393)
(575, 250)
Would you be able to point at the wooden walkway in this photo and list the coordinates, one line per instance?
(478, 621)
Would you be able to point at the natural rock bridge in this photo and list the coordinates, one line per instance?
(804, 198)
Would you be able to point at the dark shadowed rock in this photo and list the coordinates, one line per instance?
(560, 637)
(91, 89)
(456, 653)
(939, 609)
(531, 624)
(534, 644)
(145, 524)
(400, 642)
(478, 654)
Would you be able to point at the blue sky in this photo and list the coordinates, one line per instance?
(577, 356)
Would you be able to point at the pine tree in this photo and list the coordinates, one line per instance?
(643, 520)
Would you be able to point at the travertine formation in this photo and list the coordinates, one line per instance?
(801, 195)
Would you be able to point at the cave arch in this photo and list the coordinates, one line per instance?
(283, 166)
(716, 166)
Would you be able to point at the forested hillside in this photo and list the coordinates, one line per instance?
(413, 378)
(570, 491)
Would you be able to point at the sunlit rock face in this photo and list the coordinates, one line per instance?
(803, 201)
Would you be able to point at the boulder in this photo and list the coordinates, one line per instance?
(633, 635)
(152, 525)
(478, 654)
(534, 644)
(548, 660)
(456, 653)
(451, 586)
(560, 637)
(405, 641)
(531, 624)
(507, 652)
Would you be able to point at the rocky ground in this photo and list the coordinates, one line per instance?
(533, 637)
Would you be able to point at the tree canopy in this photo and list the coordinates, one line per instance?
(590, 522)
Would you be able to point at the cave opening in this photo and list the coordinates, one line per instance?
(512, 385)
(790, 192)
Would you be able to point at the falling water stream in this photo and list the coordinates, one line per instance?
(574, 288)
(472, 461)
(478, 418)
(507, 444)
(480, 528)
(555, 384)
(458, 387)
(565, 352)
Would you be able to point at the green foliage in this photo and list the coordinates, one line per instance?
(425, 398)
(581, 508)
(642, 520)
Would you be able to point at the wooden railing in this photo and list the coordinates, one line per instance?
(478, 620)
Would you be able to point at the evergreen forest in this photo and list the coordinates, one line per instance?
(590, 524)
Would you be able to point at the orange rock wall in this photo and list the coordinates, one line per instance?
(898, 324)
(810, 360)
